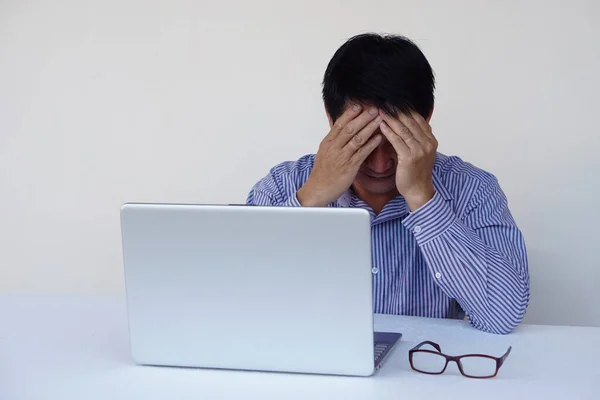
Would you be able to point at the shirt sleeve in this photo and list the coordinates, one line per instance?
(268, 192)
(478, 259)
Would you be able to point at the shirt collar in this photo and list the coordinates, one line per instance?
(346, 199)
(440, 187)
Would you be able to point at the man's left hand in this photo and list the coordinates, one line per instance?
(416, 147)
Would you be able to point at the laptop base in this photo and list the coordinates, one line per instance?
(384, 342)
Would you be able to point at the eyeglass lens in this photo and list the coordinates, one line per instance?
(434, 363)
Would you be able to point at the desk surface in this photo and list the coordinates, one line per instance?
(76, 347)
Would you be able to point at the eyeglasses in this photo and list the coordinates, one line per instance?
(470, 365)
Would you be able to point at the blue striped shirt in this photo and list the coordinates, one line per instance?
(459, 254)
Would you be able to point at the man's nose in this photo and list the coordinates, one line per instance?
(379, 160)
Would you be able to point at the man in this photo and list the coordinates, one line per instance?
(444, 241)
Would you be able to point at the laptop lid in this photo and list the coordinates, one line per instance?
(246, 287)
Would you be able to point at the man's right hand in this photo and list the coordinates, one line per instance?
(340, 155)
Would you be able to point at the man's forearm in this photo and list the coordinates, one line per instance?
(488, 278)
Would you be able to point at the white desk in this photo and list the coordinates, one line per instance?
(76, 347)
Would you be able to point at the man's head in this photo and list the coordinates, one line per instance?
(385, 71)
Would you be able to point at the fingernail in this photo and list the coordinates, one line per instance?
(373, 111)
(378, 119)
(356, 107)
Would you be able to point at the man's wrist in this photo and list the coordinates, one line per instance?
(306, 197)
(419, 198)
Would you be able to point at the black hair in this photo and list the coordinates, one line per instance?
(386, 71)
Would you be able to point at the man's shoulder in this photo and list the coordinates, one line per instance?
(287, 176)
(301, 166)
(458, 174)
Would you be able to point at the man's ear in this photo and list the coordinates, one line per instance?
(329, 119)
(430, 114)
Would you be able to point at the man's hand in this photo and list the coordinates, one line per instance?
(416, 147)
(340, 155)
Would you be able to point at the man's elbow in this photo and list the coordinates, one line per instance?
(503, 319)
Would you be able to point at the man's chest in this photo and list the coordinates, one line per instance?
(394, 250)
(402, 282)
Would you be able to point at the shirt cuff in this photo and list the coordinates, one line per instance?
(430, 220)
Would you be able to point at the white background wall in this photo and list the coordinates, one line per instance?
(103, 102)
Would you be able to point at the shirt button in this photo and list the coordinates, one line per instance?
(417, 229)
(374, 270)
(438, 275)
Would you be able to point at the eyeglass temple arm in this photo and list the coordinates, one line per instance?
(435, 345)
(505, 355)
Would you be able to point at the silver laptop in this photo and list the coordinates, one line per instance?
(251, 288)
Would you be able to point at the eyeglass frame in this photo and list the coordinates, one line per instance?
(499, 360)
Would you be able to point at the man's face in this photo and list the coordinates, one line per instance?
(377, 174)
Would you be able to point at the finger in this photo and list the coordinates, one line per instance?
(345, 118)
(401, 131)
(397, 142)
(362, 137)
(414, 127)
(363, 152)
(353, 127)
(425, 127)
